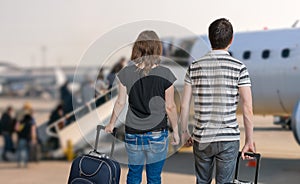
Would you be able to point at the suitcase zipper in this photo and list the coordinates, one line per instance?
(114, 178)
(103, 161)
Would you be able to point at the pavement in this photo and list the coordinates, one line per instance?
(280, 161)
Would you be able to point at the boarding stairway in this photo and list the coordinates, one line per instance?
(81, 132)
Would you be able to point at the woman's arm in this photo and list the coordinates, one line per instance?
(172, 114)
(119, 105)
(184, 114)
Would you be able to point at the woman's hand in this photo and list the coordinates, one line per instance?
(176, 139)
(109, 128)
(186, 139)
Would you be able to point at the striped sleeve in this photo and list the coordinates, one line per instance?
(244, 78)
(187, 78)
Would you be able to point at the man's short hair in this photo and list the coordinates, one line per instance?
(220, 33)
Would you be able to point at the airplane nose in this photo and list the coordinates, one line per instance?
(295, 124)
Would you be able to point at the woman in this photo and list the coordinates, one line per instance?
(27, 136)
(150, 91)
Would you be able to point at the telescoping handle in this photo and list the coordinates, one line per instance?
(255, 156)
(114, 133)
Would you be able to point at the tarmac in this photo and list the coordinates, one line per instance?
(279, 150)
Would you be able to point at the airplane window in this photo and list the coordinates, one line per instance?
(247, 54)
(285, 53)
(265, 54)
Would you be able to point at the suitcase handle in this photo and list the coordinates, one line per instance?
(114, 133)
(256, 156)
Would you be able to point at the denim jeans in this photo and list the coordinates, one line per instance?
(8, 142)
(22, 151)
(151, 149)
(221, 154)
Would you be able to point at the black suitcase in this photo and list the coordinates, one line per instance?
(95, 168)
(35, 152)
(255, 156)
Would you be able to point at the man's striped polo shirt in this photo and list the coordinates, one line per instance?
(215, 80)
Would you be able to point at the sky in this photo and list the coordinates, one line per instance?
(37, 33)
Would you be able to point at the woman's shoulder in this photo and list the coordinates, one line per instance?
(129, 67)
(164, 69)
(126, 69)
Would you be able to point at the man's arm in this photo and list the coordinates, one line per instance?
(246, 99)
(184, 112)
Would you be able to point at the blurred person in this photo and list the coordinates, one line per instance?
(66, 98)
(26, 109)
(115, 69)
(101, 85)
(7, 124)
(88, 90)
(216, 134)
(55, 115)
(27, 136)
(101, 88)
(146, 83)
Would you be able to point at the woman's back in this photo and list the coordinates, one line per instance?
(146, 109)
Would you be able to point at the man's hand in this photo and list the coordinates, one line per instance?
(248, 147)
(186, 139)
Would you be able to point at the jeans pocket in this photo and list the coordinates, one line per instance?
(131, 142)
(158, 146)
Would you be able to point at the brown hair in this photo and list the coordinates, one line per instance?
(146, 50)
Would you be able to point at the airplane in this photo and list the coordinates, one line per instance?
(38, 82)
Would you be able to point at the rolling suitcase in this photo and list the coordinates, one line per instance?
(35, 152)
(255, 156)
(95, 168)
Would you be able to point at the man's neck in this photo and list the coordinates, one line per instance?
(225, 49)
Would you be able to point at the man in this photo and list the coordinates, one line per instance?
(217, 81)
(7, 123)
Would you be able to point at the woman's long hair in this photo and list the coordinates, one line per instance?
(146, 50)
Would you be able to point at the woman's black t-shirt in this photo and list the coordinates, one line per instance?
(146, 98)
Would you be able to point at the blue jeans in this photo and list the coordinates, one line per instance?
(8, 142)
(151, 149)
(22, 151)
(223, 154)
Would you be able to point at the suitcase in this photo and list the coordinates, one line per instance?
(95, 168)
(255, 156)
(35, 152)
